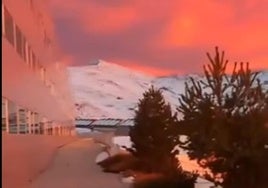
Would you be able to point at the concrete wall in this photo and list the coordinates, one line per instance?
(25, 156)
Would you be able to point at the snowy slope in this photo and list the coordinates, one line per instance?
(263, 76)
(107, 90)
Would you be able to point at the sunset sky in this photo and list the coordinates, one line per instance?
(162, 36)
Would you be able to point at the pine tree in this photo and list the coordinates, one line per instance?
(153, 134)
(226, 121)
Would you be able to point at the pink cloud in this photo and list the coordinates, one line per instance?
(164, 35)
(196, 23)
(150, 70)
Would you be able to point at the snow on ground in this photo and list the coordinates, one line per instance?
(86, 131)
(82, 130)
(129, 179)
(122, 141)
(202, 183)
(263, 76)
(101, 156)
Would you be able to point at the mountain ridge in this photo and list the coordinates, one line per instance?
(108, 90)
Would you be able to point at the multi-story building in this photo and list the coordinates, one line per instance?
(35, 88)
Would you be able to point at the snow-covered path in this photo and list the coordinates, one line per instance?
(74, 167)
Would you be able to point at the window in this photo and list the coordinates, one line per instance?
(37, 65)
(46, 39)
(42, 127)
(3, 19)
(47, 83)
(52, 89)
(31, 5)
(33, 61)
(12, 117)
(43, 74)
(23, 120)
(9, 27)
(24, 48)
(29, 55)
(4, 115)
(19, 41)
(30, 122)
(36, 123)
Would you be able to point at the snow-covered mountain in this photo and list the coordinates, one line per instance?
(107, 90)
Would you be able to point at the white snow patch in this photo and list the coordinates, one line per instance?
(202, 183)
(82, 130)
(122, 141)
(101, 156)
(129, 179)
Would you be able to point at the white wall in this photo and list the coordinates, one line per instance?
(20, 83)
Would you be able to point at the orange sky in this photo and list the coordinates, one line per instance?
(160, 36)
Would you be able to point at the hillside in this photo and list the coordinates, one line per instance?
(107, 90)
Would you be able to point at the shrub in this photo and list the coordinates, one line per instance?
(226, 121)
(153, 134)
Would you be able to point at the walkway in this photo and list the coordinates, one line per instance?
(74, 167)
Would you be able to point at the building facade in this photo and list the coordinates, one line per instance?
(35, 90)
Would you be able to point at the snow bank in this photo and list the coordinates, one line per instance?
(129, 179)
(202, 183)
(101, 156)
(122, 141)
